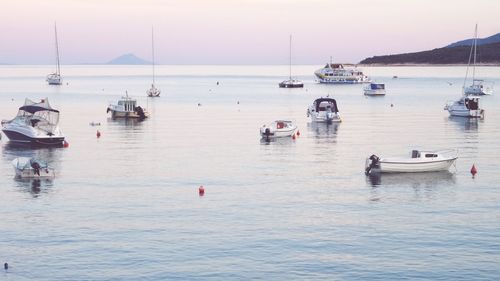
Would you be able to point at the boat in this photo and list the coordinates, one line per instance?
(29, 168)
(291, 83)
(127, 107)
(35, 124)
(419, 161)
(55, 78)
(337, 73)
(374, 89)
(479, 87)
(153, 91)
(466, 106)
(278, 129)
(324, 110)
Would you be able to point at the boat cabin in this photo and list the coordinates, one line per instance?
(128, 104)
(423, 154)
(326, 104)
(375, 86)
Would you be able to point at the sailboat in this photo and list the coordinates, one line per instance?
(153, 92)
(479, 87)
(468, 104)
(55, 78)
(291, 83)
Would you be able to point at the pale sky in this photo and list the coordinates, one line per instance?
(236, 31)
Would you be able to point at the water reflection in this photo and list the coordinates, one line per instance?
(464, 123)
(36, 187)
(277, 141)
(431, 179)
(323, 130)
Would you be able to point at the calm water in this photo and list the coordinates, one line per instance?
(126, 206)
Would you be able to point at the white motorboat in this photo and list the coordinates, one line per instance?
(337, 73)
(28, 168)
(35, 124)
(420, 161)
(467, 106)
(291, 83)
(374, 89)
(127, 107)
(55, 78)
(479, 87)
(324, 110)
(153, 91)
(278, 129)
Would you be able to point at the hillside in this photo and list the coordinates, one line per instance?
(480, 41)
(487, 54)
(128, 59)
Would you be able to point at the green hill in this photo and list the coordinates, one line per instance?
(486, 54)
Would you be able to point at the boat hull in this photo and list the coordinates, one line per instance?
(20, 138)
(31, 174)
(278, 133)
(288, 84)
(374, 92)
(126, 115)
(464, 112)
(413, 166)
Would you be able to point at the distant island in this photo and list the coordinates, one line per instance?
(488, 52)
(128, 59)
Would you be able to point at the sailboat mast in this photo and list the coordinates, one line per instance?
(153, 52)
(475, 51)
(290, 57)
(57, 51)
(470, 58)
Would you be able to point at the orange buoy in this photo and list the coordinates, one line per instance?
(98, 134)
(473, 170)
(65, 144)
(298, 133)
(201, 190)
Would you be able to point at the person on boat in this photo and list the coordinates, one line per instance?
(36, 167)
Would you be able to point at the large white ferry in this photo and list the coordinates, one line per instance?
(337, 73)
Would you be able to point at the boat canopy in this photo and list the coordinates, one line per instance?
(334, 65)
(375, 86)
(39, 111)
(330, 101)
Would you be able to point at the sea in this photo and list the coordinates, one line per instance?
(126, 206)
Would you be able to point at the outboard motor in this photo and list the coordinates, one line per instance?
(140, 112)
(267, 133)
(374, 163)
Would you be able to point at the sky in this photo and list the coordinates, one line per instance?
(235, 31)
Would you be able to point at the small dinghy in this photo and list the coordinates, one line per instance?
(420, 161)
(28, 168)
(278, 129)
(374, 89)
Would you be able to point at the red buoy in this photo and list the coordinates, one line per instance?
(298, 133)
(201, 190)
(98, 134)
(65, 144)
(294, 137)
(473, 170)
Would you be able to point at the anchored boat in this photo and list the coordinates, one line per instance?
(374, 89)
(278, 129)
(337, 73)
(420, 161)
(467, 106)
(35, 124)
(127, 107)
(28, 168)
(55, 78)
(324, 110)
(291, 83)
